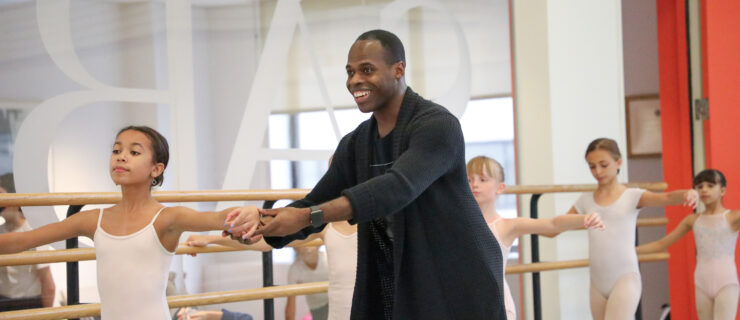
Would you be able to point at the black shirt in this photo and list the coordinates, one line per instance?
(381, 229)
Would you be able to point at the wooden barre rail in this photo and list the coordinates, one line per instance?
(82, 198)
(70, 255)
(570, 264)
(652, 222)
(270, 292)
(565, 188)
(87, 310)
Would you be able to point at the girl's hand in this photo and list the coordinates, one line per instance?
(196, 240)
(593, 221)
(242, 223)
(690, 198)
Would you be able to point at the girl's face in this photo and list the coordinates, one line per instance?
(485, 188)
(131, 159)
(710, 192)
(603, 166)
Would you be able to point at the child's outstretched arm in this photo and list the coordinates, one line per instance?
(688, 197)
(551, 227)
(186, 219)
(261, 245)
(204, 240)
(661, 245)
(80, 224)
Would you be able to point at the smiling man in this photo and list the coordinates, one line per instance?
(424, 250)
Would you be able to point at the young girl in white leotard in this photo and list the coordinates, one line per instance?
(715, 235)
(136, 238)
(486, 178)
(615, 277)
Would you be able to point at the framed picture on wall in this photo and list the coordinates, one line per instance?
(643, 126)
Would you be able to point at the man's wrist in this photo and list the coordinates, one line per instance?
(307, 217)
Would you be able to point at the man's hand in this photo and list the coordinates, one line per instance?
(242, 224)
(284, 221)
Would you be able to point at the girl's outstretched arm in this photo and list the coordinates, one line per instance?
(551, 227)
(186, 219)
(197, 240)
(688, 197)
(661, 245)
(204, 240)
(80, 224)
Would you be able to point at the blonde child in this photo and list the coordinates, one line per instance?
(486, 178)
(135, 239)
(715, 234)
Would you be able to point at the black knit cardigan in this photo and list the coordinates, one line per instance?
(447, 263)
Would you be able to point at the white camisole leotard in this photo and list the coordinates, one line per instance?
(508, 299)
(612, 251)
(715, 253)
(341, 252)
(132, 273)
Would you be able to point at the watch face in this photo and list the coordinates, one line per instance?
(316, 216)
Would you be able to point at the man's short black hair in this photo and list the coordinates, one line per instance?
(390, 42)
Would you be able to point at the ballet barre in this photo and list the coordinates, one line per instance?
(209, 298)
(85, 254)
(93, 309)
(86, 198)
(572, 264)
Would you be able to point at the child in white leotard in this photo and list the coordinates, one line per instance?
(486, 178)
(615, 277)
(136, 238)
(715, 235)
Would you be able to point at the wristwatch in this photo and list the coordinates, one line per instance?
(316, 217)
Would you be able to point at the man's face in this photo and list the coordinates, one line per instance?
(370, 79)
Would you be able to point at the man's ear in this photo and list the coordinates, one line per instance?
(399, 70)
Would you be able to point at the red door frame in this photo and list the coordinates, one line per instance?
(676, 133)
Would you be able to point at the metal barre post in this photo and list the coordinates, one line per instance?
(536, 294)
(267, 279)
(73, 268)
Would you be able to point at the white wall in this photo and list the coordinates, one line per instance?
(568, 91)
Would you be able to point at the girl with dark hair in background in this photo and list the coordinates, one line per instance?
(715, 234)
